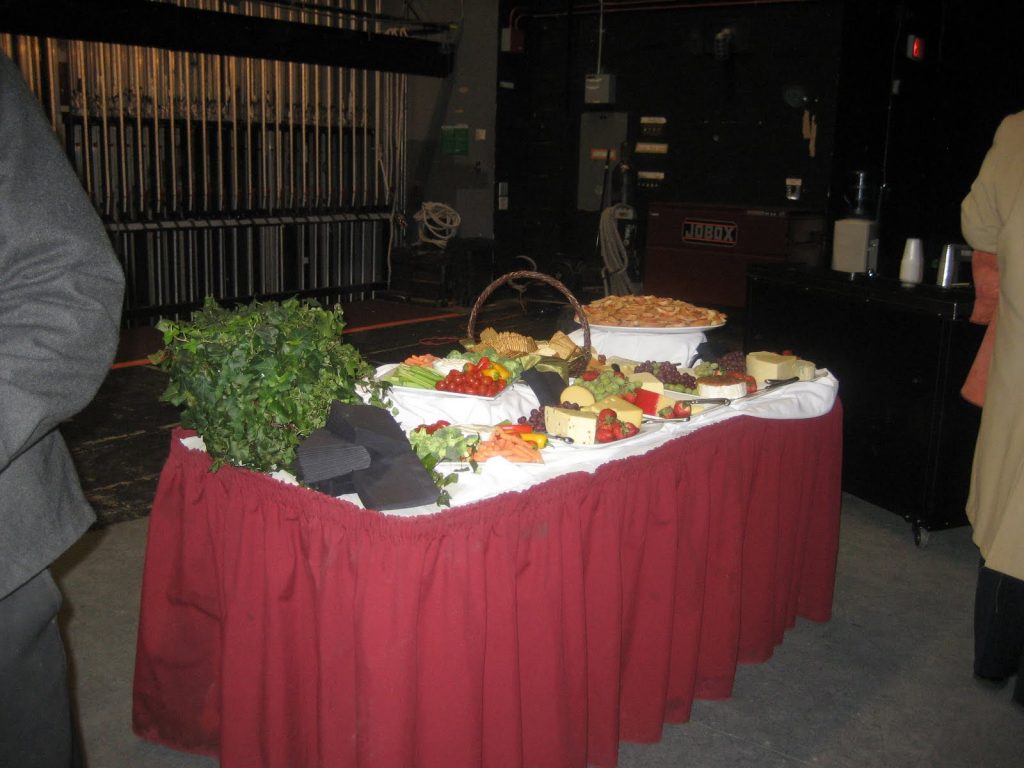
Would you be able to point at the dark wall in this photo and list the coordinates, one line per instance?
(734, 124)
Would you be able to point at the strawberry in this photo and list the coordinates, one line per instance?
(629, 397)
(604, 434)
(628, 430)
(589, 375)
(617, 430)
(607, 416)
(680, 410)
(666, 412)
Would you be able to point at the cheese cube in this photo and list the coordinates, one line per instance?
(624, 410)
(581, 426)
(768, 365)
(647, 380)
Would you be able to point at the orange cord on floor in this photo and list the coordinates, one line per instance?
(358, 329)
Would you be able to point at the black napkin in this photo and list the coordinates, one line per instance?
(324, 455)
(396, 478)
(395, 482)
(335, 486)
(367, 425)
(546, 385)
(708, 352)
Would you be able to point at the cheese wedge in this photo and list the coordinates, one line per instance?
(577, 395)
(580, 425)
(651, 402)
(647, 381)
(768, 365)
(624, 410)
(626, 366)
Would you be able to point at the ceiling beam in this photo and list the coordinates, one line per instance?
(162, 25)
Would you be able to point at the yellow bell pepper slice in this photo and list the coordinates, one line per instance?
(537, 438)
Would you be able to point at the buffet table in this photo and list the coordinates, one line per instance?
(535, 627)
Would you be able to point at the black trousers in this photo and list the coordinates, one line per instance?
(35, 715)
(999, 628)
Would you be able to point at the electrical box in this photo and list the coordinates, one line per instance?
(599, 89)
(602, 135)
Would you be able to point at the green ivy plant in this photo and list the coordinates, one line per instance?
(255, 380)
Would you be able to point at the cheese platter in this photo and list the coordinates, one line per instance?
(644, 429)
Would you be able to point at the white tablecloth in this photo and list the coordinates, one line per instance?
(674, 346)
(800, 400)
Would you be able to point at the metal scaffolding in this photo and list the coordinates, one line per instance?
(237, 178)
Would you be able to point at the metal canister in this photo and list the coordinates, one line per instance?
(949, 265)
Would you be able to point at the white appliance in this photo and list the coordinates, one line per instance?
(855, 245)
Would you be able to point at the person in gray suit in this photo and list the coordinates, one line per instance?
(61, 288)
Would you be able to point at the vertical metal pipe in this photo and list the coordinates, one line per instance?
(378, 133)
(190, 169)
(279, 96)
(154, 87)
(328, 86)
(316, 136)
(234, 96)
(100, 64)
(292, 109)
(119, 53)
(221, 106)
(204, 120)
(366, 124)
(342, 128)
(353, 95)
(81, 81)
(140, 155)
(53, 76)
(304, 159)
(265, 158)
(247, 74)
(172, 133)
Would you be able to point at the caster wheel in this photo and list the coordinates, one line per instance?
(920, 536)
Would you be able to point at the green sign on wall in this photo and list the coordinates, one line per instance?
(455, 139)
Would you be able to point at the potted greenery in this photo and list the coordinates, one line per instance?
(255, 380)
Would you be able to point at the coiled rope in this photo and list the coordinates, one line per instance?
(438, 223)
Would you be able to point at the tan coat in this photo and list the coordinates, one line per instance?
(992, 219)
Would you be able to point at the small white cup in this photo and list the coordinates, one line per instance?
(912, 265)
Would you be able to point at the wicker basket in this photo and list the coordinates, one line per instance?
(578, 363)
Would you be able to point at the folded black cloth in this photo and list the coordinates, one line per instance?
(323, 455)
(335, 486)
(367, 425)
(546, 385)
(395, 482)
(396, 478)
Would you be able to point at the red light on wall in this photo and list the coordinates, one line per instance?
(915, 48)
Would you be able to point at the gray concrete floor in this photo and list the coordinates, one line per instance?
(886, 682)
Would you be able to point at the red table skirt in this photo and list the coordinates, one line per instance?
(281, 627)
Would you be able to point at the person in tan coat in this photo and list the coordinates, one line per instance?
(992, 220)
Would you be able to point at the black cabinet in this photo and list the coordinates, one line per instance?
(901, 355)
